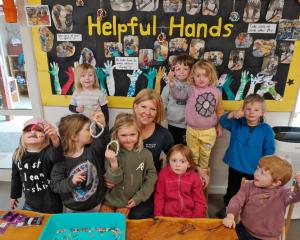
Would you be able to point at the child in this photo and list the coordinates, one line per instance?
(263, 201)
(79, 177)
(202, 112)
(33, 160)
(250, 139)
(87, 96)
(132, 170)
(178, 190)
(175, 108)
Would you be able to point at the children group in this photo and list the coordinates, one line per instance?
(87, 168)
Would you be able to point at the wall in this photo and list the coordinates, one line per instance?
(219, 169)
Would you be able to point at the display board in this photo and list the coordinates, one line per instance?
(252, 43)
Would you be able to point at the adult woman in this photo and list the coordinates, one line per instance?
(149, 112)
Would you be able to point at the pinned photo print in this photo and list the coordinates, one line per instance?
(146, 5)
(79, 3)
(236, 60)
(216, 57)
(243, 40)
(196, 48)
(87, 56)
(65, 49)
(274, 13)
(193, 6)
(172, 5)
(269, 66)
(46, 38)
(263, 47)
(121, 5)
(145, 58)
(252, 11)
(178, 45)
(286, 50)
(210, 7)
(113, 49)
(160, 51)
(63, 17)
(131, 46)
(38, 15)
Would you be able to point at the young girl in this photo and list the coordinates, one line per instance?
(175, 108)
(33, 160)
(132, 170)
(203, 109)
(79, 177)
(87, 96)
(178, 190)
(250, 140)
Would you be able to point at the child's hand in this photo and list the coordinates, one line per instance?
(203, 176)
(98, 117)
(297, 178)
(111, 156)
(170, 77)
(236, 114)
(13, 203)
(50, 130)
(131, 203)
(219, 131)
(79, 109)
(229, 221)
(108, 183)
(78, 177)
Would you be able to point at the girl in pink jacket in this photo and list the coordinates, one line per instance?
(178, 190)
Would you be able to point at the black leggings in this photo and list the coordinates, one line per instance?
(234, 183)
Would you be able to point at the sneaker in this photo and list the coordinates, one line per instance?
(221, 213)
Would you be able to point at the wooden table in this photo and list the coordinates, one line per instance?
(146, 229)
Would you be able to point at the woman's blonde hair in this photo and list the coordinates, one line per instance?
(21, 149)
(125, 120)
(184, 151)
(79, 70)
(68, 127)
(149, 94)
(210, 71)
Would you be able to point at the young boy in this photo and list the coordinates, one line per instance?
(175, 109)
(263, 201)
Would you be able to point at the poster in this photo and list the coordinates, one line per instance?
(152, 32)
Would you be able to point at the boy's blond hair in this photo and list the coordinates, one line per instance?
(68, 127)
(252, 98)
(149, 94)
(280, 169)
(79, 70)
(125, 120)
(210, 70)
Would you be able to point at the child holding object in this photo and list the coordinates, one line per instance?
(131, 170)
(78, 179)
(33, 160)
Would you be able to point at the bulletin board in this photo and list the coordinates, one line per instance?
(131, 42)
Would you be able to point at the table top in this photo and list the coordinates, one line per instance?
(145, 229)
